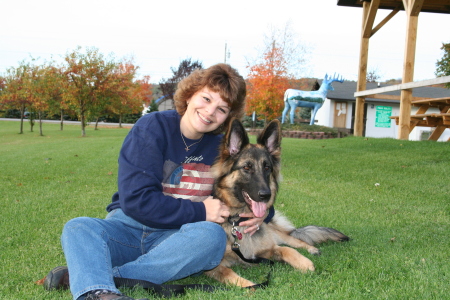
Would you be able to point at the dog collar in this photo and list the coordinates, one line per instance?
(236, 222)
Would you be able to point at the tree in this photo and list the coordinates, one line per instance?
(16, 92)
(295, 53)
(152, 107)
(373, 75)
(55, 87)
(128, 96)
(267, 82)
(2, 85)
(145, 90)
(186, 67)
(282, 60)
(88, 78)
(443, 65)
(40, 89)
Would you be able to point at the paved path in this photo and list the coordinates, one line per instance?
(100, 124)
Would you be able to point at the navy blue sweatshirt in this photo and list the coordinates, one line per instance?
(160, 184)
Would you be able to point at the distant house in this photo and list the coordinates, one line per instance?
(166, 105)
(338, 111)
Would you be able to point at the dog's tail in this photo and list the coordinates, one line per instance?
(314, 234)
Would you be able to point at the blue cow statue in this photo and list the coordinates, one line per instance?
(313, 99)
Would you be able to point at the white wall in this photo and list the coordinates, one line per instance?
(325, 117)
(392, 131)
(380, 132)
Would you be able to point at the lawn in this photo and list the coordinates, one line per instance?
(391, 197)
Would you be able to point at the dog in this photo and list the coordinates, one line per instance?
(246, 180)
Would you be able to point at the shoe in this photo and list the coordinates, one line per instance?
(58, 278)
(109, 296)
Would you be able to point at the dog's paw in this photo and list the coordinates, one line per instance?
(314, 251)
(311, 267)
(307, 266)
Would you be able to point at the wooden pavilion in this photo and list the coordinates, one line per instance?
(405, 120)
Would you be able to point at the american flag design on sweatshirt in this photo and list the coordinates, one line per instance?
(192, 181)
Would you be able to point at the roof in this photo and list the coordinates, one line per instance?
(344, 92)
(431, 6)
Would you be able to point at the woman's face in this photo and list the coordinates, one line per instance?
(205, 112)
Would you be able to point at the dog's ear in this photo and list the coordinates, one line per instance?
(271, 136)
(236, 137)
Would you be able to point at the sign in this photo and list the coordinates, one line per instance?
(383, 114)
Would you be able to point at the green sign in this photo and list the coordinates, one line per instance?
(383, 114)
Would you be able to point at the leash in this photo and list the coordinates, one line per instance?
(174, 290)
(164, 290)
(171, 290)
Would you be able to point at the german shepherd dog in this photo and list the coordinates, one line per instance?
(246, 180)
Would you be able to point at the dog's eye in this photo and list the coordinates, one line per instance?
(247, 167)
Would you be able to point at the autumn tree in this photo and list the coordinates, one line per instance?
(145, 91)
(55, 84)
(2, 84)
(88, 76)
(443, 65)
(127, 96)
(267, 82)
(40, 90)
(169, 85)
(295, 52)
(16, 92)
(282, 60)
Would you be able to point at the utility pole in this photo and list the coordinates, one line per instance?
(227, 53)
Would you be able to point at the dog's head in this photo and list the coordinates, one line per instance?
(247, 174)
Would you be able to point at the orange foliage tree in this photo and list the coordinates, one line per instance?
(267, 82)
(145, 90)
(128, 96)
(16, 91)
(40, 92)
(89, 77)
(55, 84)
(88, 84)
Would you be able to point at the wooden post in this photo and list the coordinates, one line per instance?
(412, 16)
(362, 74)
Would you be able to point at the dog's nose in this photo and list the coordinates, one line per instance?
(264, 194)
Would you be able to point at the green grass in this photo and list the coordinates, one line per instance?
(399, 227)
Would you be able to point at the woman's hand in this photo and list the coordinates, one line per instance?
(252, 224)
(216, 210)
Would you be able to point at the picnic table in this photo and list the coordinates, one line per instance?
(439, 120)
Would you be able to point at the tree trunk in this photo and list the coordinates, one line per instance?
(96, 124)
(62, 120)
(40, 123)
(31, 122)
(83, 126)
(22, 112)
(120, 121)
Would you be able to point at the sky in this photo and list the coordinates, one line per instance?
(160, 34)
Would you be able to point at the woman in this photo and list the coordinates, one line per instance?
(162, 224)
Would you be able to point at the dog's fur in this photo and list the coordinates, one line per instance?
(247, 181)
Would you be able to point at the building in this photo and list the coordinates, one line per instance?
(338, 111)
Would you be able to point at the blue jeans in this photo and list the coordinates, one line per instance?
(97, 250)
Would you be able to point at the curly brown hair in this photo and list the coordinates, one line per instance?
(219, 78)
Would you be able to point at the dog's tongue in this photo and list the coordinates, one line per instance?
(259, 208)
